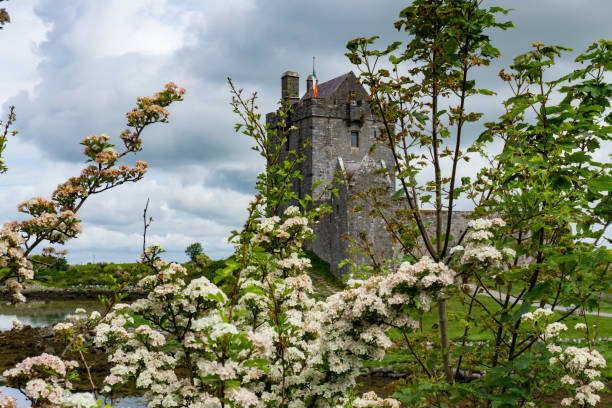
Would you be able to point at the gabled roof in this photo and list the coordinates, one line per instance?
(350, 168)
(366, 166)
(328, 87)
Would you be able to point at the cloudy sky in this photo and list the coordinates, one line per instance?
(74, 68)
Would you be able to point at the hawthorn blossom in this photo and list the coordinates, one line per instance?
(371, 400)
(537, 314)
(16, 324)
(79, 400)
(7, 401)
(43, 379)
(554, 329)
(581, 366)
(480, 247)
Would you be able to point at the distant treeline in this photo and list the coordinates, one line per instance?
(55, 271)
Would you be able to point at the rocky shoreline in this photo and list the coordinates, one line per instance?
(85, 292)
(17, 345)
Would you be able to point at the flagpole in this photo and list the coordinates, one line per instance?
(315, 80)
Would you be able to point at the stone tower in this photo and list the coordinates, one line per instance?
(339, 129)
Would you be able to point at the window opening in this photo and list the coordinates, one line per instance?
(354, 138)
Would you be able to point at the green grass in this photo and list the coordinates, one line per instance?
(400, 359)
(606, 303)
(91, 274)
(102, 274)
(324, 282)
(456, 311)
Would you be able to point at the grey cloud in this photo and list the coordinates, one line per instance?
(242, 181)
(257, 47)
(80, 94)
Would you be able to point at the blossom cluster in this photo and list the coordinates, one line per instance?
(45, 381)
(355, 321)
(289, 234)
(13, 256)
(46, 222)
(56, 227)
(580, 365)
(16, 324)
(480, 247)
(370, 400)
(7, 401)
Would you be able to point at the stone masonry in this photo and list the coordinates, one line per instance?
(338, 129)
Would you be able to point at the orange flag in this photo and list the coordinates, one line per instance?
(315, 89)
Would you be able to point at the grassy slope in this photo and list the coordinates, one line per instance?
(89, 274)
(479, 333)
(99, 274)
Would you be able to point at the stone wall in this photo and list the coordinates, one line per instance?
(459, 224)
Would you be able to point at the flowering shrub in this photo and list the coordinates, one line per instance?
(541, 178)
(55, 221)
(268, 343)
(259, 338)
(45, 381)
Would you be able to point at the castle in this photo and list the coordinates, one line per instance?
(338, 129)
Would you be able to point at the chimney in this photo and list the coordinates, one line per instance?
(290, 87)
(309, 83)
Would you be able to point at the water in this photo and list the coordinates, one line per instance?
(126, 402)
(39, 314)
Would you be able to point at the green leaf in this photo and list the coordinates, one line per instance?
(579, 157)
(394, 60)
(450, 46)
(398, 194)
(522, 310)
(601, 183)
(486, 92)
(561, 182)
(420, 117)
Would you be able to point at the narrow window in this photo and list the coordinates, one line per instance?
(354, 138)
